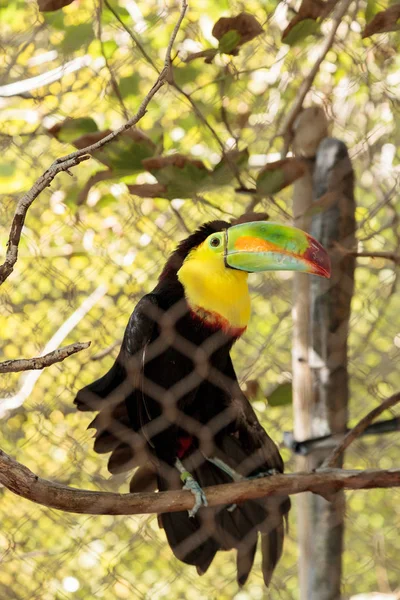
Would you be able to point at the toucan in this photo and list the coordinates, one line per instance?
(171, 405)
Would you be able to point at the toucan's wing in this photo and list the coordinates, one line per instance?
(121, 386)
(251, 433)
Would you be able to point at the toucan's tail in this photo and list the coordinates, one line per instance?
(195, 540)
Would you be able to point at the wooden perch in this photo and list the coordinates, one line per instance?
(20, 480)
(39, 362)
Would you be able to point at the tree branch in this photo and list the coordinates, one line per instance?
(40, 362)
(361, 426)
(20, 480)
(65, 163)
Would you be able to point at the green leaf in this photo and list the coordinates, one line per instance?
(109, 47)
(108, 18)
(281, 395)
(71, 129)
(125, 154)
(224, 171)
(77, 36)
(181, 176)
(70, 197)
(106, 200)
(55, 19)
(229, 41)
(186, 74)
(270, 182)
(7, 170)
(371, 10)
(277, 175)
(301, 31)
(129, 86)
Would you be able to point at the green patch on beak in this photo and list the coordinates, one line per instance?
(265, 246)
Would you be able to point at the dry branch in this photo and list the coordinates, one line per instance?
(40, 362)
(359, 429)
(65, 163)
(20, 480)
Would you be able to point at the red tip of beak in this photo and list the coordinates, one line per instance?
(318, 258)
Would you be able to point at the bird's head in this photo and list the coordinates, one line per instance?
(214, 262)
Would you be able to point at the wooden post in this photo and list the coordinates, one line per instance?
(320, 382)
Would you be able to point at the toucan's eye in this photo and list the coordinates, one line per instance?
(215, 242)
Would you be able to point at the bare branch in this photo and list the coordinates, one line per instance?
(387, 255)
(309, 79)
(361, 426)
(20, 480)
(40, 362)
(65, 163)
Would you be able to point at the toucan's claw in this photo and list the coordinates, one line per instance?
(191, 485)
(199, 496)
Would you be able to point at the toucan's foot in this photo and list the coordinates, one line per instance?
(191, 485)
(234, 475)
(199, 496)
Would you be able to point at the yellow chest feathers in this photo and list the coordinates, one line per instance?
(208, 284)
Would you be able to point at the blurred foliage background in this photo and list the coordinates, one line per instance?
(91, 248)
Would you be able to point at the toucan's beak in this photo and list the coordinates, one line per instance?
(265, 246)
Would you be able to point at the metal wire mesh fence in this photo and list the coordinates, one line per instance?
(83, 266)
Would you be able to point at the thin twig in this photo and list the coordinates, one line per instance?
(388, 255)
(286, 130)
(114, 82)
(199, 114)
(40, 362)
(65, 163)
(224, 112)
(106, 351)
(20, 480)
(132, 35)
(354, 433)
